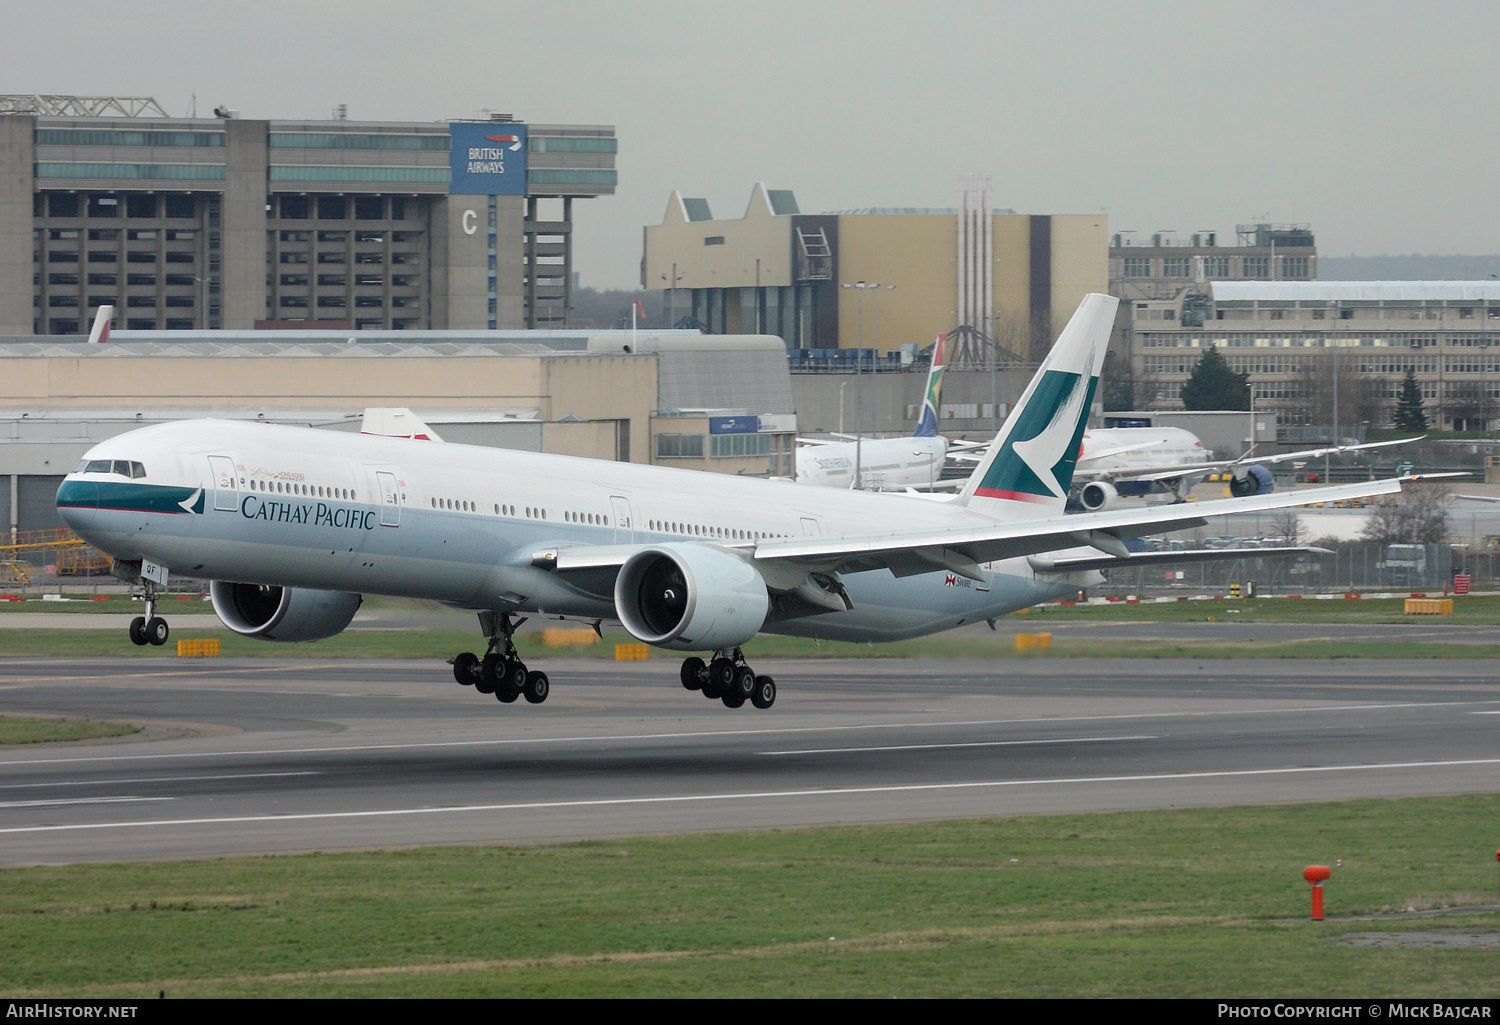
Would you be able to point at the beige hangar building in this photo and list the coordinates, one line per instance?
(1012, 277)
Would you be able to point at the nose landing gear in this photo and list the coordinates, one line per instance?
(150, 628)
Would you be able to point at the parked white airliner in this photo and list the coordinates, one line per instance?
(881, 464)
(293, 525)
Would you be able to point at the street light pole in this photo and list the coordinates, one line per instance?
(874, 336)
(860, 287)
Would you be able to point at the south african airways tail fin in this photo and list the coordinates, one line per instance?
(927, 423)
(1027, 470)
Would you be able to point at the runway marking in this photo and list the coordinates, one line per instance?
(81, 800)
(606, 802)
(698, 734)
(151, 779)
(939, 747)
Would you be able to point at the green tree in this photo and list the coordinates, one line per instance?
(1410, 416)
(1215, 386)
(1118, 383)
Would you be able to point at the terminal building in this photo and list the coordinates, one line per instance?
(234, 223)
(1297, 338)
(991, 274)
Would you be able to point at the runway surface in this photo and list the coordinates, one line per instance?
(244, 756)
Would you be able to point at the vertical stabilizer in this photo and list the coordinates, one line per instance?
(927, 423)
(100, 332)
(397, 422)
(1027, 470)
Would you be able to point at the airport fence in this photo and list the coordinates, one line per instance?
(1359, 566)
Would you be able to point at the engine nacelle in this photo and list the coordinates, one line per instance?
(690, 597)
(1097, 495)
(282, 613)
(1256, 481)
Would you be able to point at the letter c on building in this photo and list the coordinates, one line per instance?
(471, 222)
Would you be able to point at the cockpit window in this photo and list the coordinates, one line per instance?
(121, 467)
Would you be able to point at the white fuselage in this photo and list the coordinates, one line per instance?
(1161, 446)
(883, 463)
(459, 524)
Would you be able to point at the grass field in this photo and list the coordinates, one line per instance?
(1200, 902)
(435, 643)
(443, 644)
(46, 731)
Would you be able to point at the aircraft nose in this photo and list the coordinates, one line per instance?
(75, 500)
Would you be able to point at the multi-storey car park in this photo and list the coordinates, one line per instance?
(235, 223)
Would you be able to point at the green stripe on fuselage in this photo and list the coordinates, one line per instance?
(132, 497)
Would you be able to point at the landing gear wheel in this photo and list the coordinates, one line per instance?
(537, 687)
(515, 675)
(693, 671)
(156, 631)
(765, 692)
(744, 682)
(489, 674)
(733, 699)
(466, 668)
(138, 630)
(505, 693)
(721, 673)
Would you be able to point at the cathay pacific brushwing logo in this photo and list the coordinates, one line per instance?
(1036, 463)
(193, 503)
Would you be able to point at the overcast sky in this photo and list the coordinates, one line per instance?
(1375, 122)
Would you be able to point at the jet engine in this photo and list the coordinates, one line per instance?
(1097, 495)
(690, 597)
(1256, 481)
(282, 613)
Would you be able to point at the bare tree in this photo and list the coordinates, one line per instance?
(1419, 515)
(1288, 524)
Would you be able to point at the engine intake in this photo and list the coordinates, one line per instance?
(1256, 481)
(690, 597)
(1097, 495)
(282, 613)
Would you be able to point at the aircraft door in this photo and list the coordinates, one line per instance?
(624, 527)
(390, 498)
(225, 483)
(810, 527)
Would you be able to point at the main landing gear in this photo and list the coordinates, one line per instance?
(150, 628)
(500, 671)
(730, 679)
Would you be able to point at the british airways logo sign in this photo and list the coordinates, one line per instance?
(487, 159)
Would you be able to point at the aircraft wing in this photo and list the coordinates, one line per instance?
(1045, 564)
(1156, 473)
(785, 562)
(1313, 453)
(962, 550)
